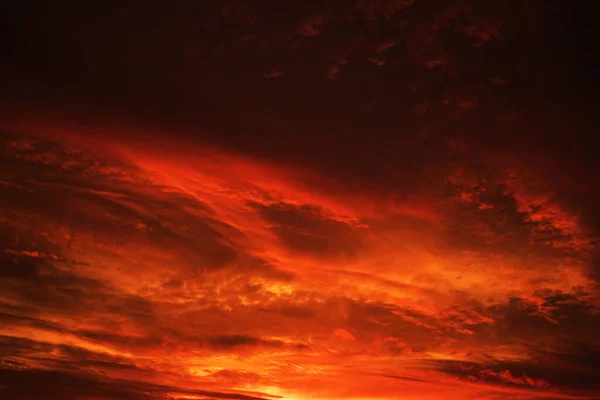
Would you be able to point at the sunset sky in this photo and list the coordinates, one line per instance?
(294, 200)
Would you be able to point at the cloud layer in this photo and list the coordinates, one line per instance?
(138, 275)
(362, 199)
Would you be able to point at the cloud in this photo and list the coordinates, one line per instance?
(231, 341)
(307, 230)
(522, 373)
(59, 385)
(273, 73)
(344, 334)
(311, 26)
(411, 209)
(157, 275)
(335, 69)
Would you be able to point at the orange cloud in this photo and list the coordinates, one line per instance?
(202, 273)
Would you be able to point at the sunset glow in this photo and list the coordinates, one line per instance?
(381, 222)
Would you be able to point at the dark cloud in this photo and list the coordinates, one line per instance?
(545, 317)
(54, 48)
(557, 376)
(580, 358)
(306, 229)
(16, 384)
(231, 341)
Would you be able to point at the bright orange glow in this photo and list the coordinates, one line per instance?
(204, 274)
(299, 200)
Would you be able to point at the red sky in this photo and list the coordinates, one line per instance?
(346, 200)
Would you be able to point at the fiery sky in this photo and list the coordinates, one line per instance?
(262, 200)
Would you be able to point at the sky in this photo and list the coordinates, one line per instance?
(267, 200)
